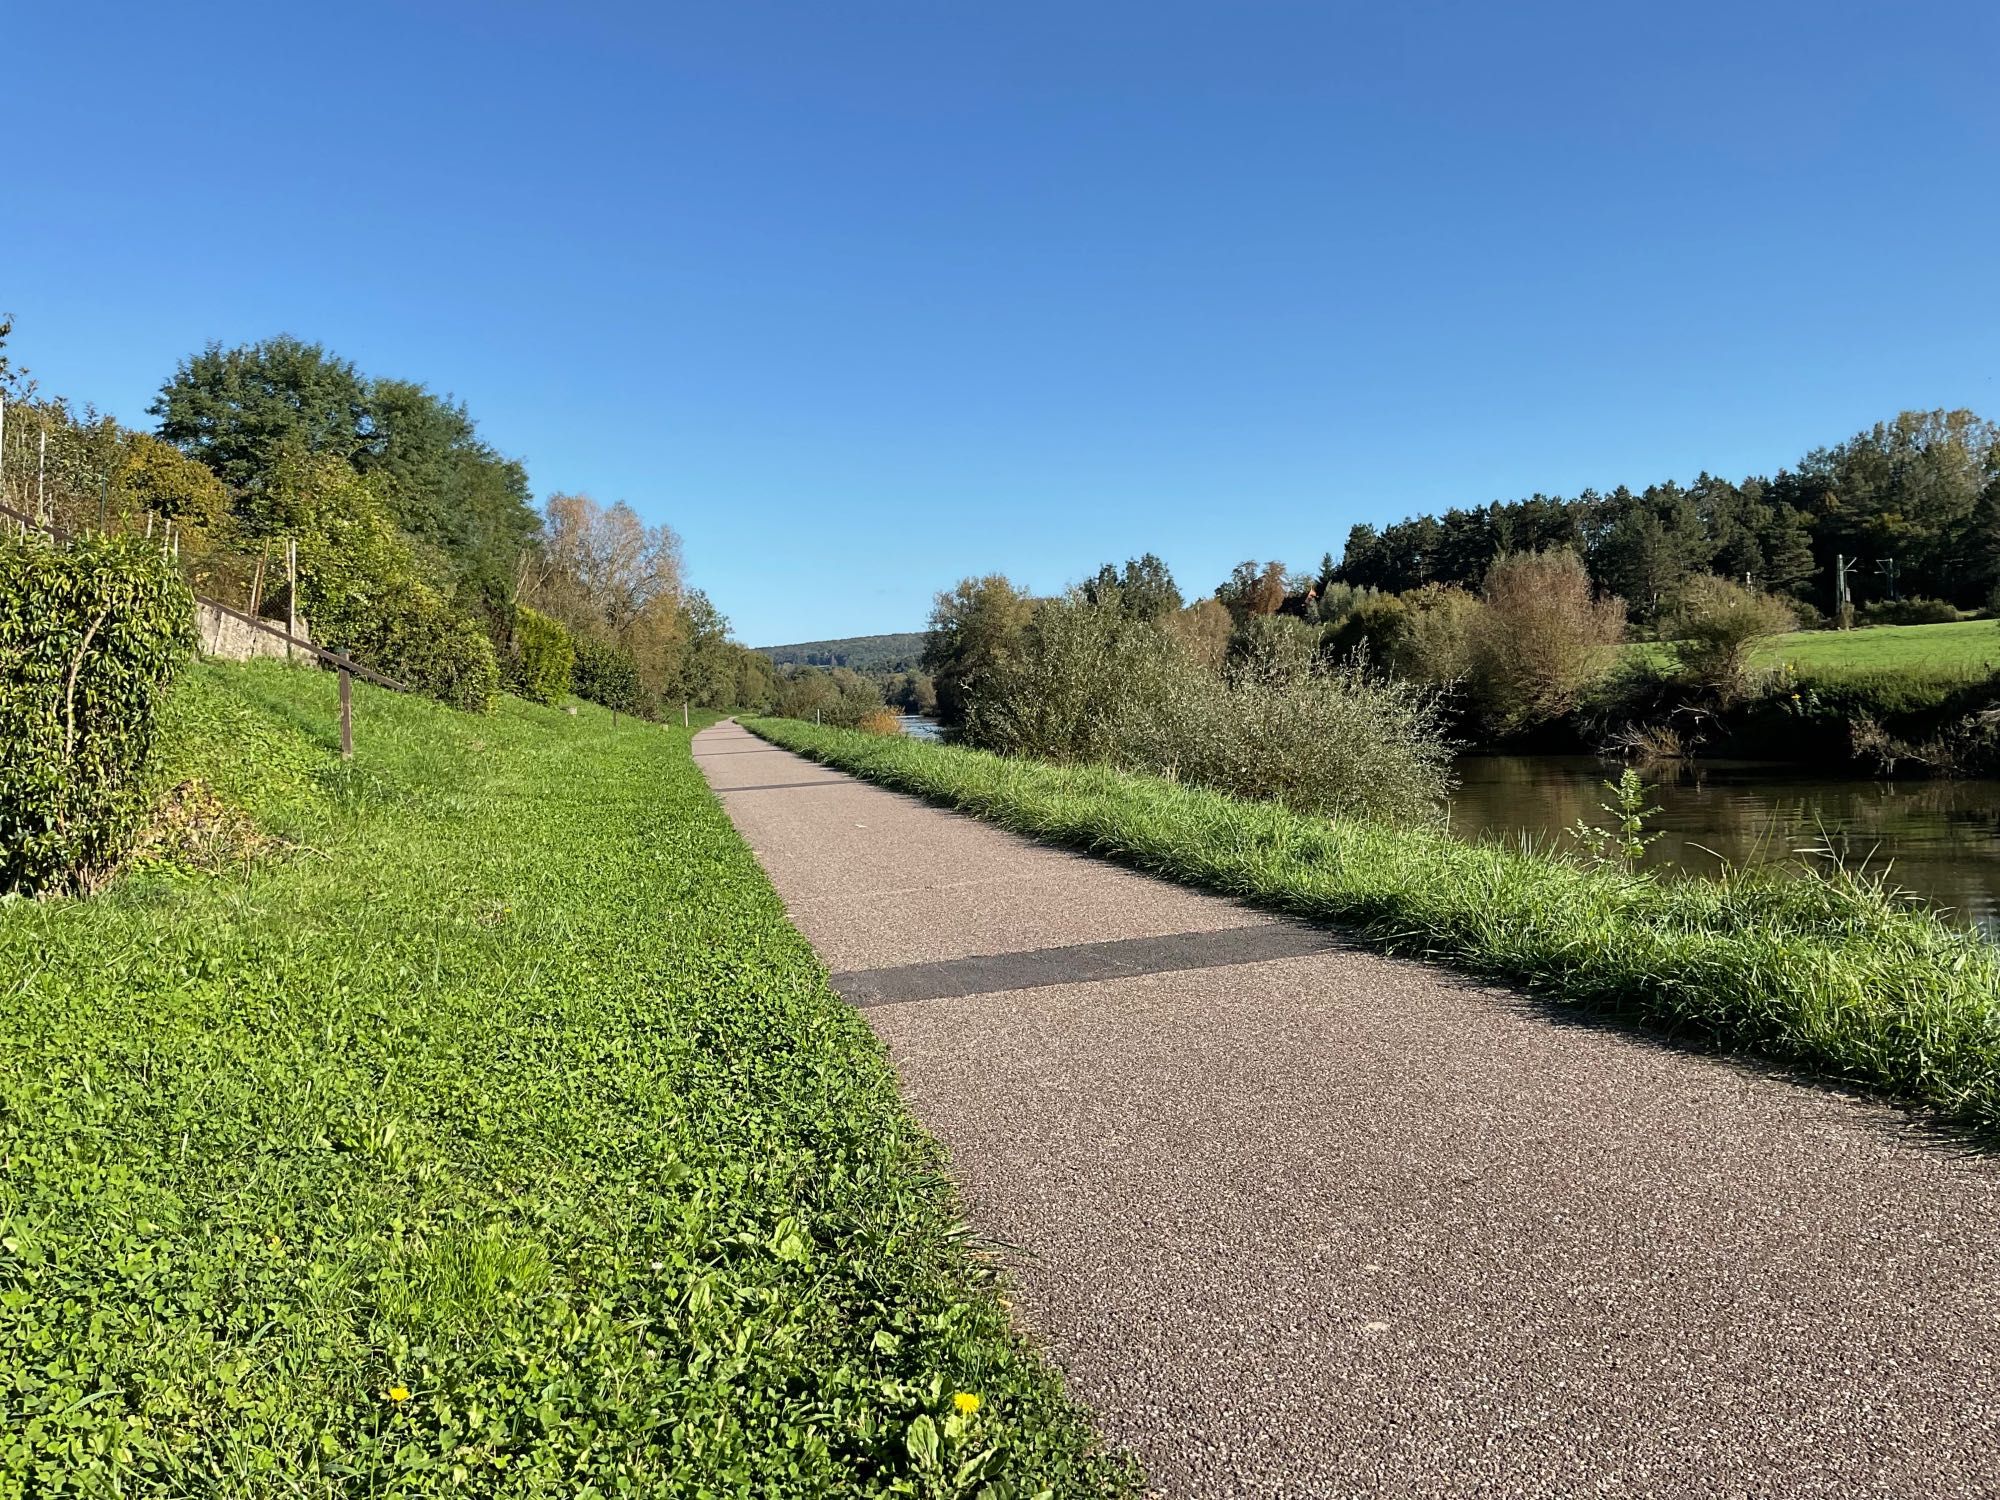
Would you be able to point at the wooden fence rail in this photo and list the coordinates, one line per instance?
(345, 665)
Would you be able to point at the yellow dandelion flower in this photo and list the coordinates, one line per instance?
(398, 1393)
(966, 1402)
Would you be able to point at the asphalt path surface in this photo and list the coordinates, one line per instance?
(1300, 1220)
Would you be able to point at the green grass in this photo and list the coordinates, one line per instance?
(1834, 977)
(1967, 649)
(508, 1087)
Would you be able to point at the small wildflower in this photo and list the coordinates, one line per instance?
(398, 1393)
(966, 1402)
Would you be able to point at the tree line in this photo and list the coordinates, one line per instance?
(419, 546)
(1913, 505)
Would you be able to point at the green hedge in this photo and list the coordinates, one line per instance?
(540, 657)
(91, 634)
(606, 673)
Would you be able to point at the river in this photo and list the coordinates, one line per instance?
(1937, 839)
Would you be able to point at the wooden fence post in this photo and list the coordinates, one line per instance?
(257, 582)
(346, 715)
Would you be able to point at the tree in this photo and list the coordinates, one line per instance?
(447, 487)
(1909, 490)
(829, 695)
(365, 587)
(973, 629)
(1786, 541)
(1145, 590)
(233, 409)
(153, 476)
(606, 575)
(1541, 639)
(708, 666)
(1253, 588)
(1368, 628)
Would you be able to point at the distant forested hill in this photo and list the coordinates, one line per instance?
(860, 653)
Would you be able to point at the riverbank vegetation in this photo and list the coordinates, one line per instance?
(467, 1118)
(1836, 976)
(1097, 677)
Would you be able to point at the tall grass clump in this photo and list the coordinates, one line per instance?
(1836, 975)
(1278, 720)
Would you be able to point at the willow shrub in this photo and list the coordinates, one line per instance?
(1838, 976)
(1281, 721)
(91, 635)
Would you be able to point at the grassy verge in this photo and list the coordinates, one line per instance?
(498, 1136)
(1832, 976)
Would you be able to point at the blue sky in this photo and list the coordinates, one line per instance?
(865, 297)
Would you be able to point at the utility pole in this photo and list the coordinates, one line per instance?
(1887, 568)
(1843, 602)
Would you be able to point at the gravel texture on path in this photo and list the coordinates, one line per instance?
(1327, 1223)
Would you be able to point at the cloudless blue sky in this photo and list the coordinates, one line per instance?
(863, 297)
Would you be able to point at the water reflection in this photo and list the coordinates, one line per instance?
(1940, 839)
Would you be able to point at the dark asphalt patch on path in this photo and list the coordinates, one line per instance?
(1334, 1224)
(1076, 963)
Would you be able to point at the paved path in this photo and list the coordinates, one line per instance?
(1301, 1220)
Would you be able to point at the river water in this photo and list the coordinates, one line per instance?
(1938, 839)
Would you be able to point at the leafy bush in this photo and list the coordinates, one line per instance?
(1716, 623)
(437, 1164)
(1432, 642)
(1542, 639)
(825, 695)
(438, 651)
(367, 590)
(1910, 612)
(880, 721)
(1835, 975)
(606, 673)
(1369, 626)
(540, 657)
(91, 634)
(158, 477)
(1281, 721)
